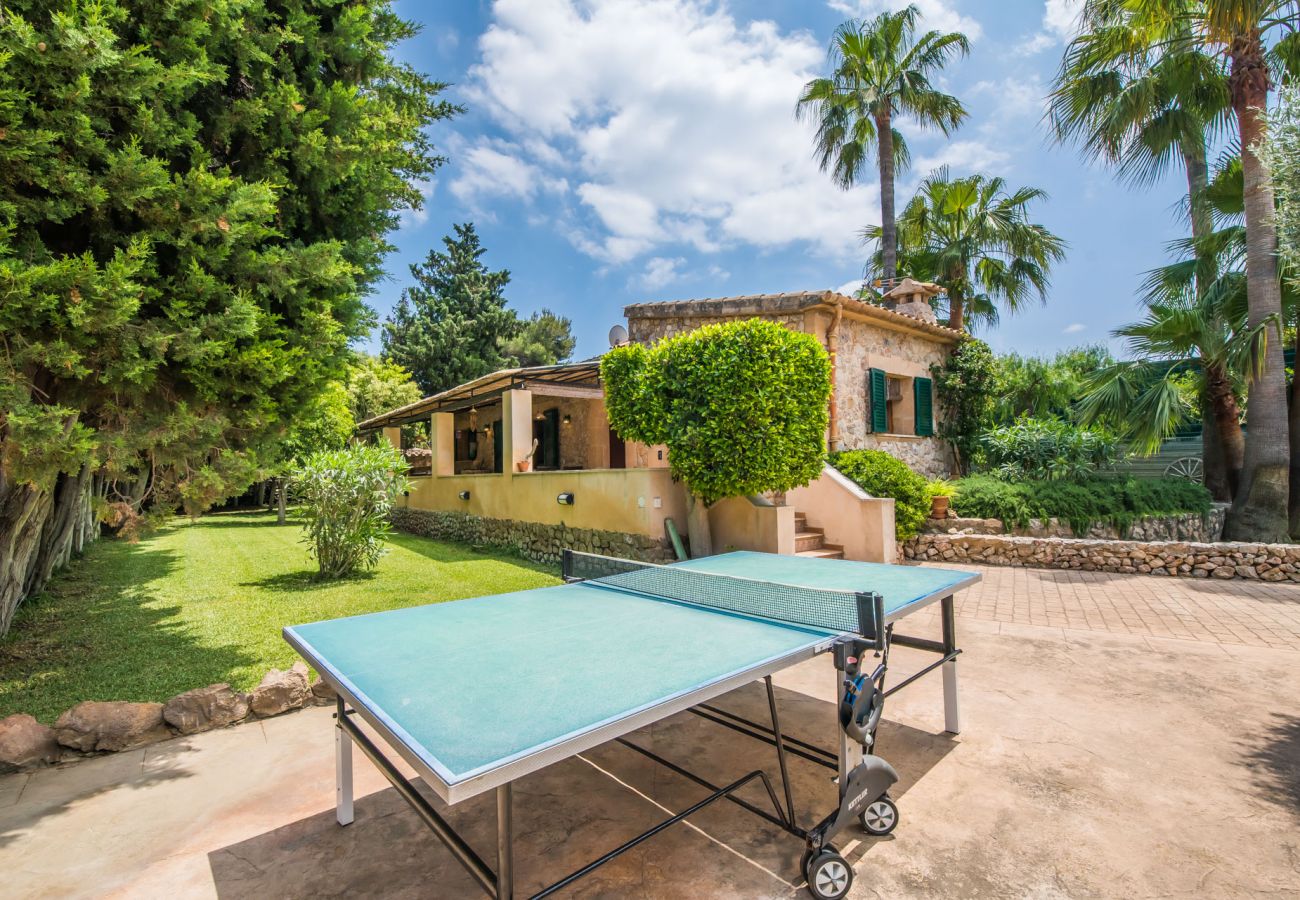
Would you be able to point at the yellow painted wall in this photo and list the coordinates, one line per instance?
(605, 499)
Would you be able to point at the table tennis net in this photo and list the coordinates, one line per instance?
(844, 611)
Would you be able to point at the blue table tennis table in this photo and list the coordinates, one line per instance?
(477, 693)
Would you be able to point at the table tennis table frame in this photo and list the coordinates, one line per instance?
(499, 883)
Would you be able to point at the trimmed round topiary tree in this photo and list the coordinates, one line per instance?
(741, 406)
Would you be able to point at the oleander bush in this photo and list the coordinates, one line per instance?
(882, 475)
(346, 497)
(1116, 501)
(1050, 449)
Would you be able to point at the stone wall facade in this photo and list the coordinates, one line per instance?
(531, 540)
(929, 457)
(1258, 562)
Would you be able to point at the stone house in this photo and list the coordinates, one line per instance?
(883, 396)
(525, 458)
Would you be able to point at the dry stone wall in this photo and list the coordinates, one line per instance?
(1205, 529)
(532, 540)
(1257, 562)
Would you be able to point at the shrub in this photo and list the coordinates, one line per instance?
(347, 496)
(1117, 501)
(1048, 449)
(741, 405)
(964, 385)
(882, 475)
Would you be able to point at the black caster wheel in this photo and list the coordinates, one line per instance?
(829, 875)
(880, 817)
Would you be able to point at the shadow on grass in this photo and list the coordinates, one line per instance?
(449, 552)
(305, 580)
(104, 630)
(1275, 760)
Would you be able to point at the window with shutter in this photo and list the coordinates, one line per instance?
(924, 396)
(878, 415)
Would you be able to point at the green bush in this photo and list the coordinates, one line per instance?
(347, 495)
(964, 385)
(882, 475)
(1117, 501)
(741, 405)
(1048, 449)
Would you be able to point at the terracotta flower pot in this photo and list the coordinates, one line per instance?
(939, 507)
(523, 465)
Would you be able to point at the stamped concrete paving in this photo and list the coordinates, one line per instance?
(1092, 764)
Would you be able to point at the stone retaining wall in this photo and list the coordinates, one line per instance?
(1260, 562)
(532, 540)
(1187, 527)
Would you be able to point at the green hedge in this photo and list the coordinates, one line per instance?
(1117, 501)
(882, 475)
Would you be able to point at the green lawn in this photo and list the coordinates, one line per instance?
(201, 602)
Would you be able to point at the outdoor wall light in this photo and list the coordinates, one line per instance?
(565, 499)
(464, 495)
(567, 420)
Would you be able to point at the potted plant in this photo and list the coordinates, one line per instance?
(527, 462)
(940, 492)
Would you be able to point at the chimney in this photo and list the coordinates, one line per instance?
(913, 299)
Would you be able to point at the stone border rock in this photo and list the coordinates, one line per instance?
(1257, 562)
(94, 727)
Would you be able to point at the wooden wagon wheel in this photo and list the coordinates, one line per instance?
(1189, 467)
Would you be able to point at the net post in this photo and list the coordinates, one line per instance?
(566, 564)
(871, 618)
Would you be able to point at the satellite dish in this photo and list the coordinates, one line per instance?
(617, 336)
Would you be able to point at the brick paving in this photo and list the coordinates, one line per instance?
(1247, 613)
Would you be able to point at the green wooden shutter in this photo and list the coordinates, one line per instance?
(879, 415)
(496, 446)
(924, 393)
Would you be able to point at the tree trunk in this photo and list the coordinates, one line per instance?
(1226, 422)
(259, 499)
(888, 227)
(280, 501)
(698, 530)
(66, 528)
(23, 511)
(1259, 510)
(956, 309)
(1202, 218)
(1293, 431)
(1214, 471)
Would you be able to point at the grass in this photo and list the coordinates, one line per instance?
(200, 602)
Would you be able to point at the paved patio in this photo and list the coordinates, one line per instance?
(1100, 757)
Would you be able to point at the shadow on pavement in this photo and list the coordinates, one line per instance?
(572, 812)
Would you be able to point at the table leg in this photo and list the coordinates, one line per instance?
(505, 844)
(951, 712)
(342, 772)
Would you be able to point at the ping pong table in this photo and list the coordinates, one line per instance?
(618, 646)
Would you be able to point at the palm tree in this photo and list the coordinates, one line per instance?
(975, 239)
(879, 71)
(1143, 105)
(1236, 31)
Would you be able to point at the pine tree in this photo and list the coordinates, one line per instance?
(449, 327)
(194, 198)
(544, 339)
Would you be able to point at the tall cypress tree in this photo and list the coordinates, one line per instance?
(194, 199)
(449, 327)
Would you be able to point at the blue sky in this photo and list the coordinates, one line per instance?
(631, 150)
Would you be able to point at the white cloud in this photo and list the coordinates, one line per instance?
(1060, 18)
(851, 288)
(674, 121)
(963, 157)
(936, 14)
(1014, 98)
(1074, 328)
(495, 169)
(660, 271)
